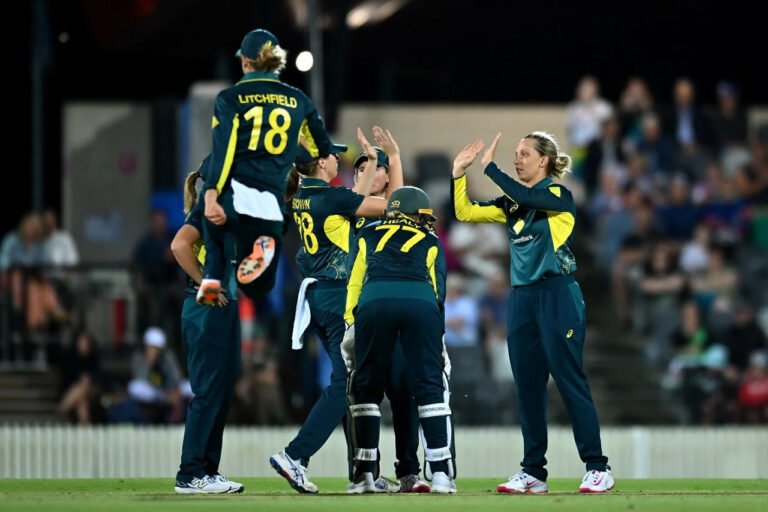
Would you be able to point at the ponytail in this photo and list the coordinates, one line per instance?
(293, 184)
(190, 194)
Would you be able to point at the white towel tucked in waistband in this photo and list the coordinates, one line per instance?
(303, 315)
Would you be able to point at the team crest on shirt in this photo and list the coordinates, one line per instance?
(518, 227)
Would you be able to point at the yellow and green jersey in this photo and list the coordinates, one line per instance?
(256, 127)
(322, 213)
(392, 258)
(539, 220)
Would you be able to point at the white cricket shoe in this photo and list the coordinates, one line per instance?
(384, 484)
(523, 483)
(234, 487)
(293, 472)
(363, 484)
(412, 483)
(442, 483)
(597, 482)
(204, 485)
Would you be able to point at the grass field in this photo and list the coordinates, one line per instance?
(474, 494)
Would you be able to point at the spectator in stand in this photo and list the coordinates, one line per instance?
(660, 288)
(678, 216)
(23, 248)
(80, 378)
(59, 246)
(753, 392)
(635, 102)
(158, 384)
(729, 125)
(654, 146)
(584, 116)
(685, 122)
(604, 154)
(462, 322)
(744, 336)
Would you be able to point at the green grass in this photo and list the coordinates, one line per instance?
(149, 494)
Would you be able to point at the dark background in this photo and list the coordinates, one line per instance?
(429, 51)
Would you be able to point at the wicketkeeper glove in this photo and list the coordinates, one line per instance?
(348, 347)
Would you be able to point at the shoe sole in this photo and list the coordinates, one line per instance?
(417, 489)
(442, 490)
(296, 487)
(586, 490)
(209, 295)
(505, 490)
(256, 263)
(191, 490)
(236, 490)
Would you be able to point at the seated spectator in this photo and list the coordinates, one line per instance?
(80, 378)
(158, 384)
(694, 257)
(36, 304)
(23, 248)
(744, 337)
(462, 322)
(58, 244)
(753, 391)
(718, 281)
(678, 216)
(659, 288)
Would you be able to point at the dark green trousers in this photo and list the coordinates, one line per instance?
(327, 300)
(546, 325)
(405, 417)
(415, 325)
(212, 339)
(245, 230)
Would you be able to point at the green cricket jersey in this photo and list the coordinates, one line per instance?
(322, 213)
(256, 128)
(539, 219)
(396, 257)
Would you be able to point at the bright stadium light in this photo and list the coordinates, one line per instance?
(304, 61)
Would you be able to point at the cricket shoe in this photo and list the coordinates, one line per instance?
(204, 485)
(364, 483)
(384, 484)
(442, 483)
(234, 487)
(412, 483)
(255, 264)
(597, 482)
(293, 472)
(523, 483)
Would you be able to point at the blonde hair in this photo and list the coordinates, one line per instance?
(546, 145)
(190, 192)
(271, 59)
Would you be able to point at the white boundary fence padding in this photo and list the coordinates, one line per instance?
(128, 451)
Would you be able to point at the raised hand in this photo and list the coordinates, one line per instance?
(491, 151)
(466, 157)
(369, 151)
(385, 141)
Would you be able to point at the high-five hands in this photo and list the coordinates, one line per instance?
(369, 151)
(488, 157)
(466, 158)
(385, 141)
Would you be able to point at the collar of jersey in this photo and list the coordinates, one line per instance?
(259, 75)
(313, 183)
(543, 183)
